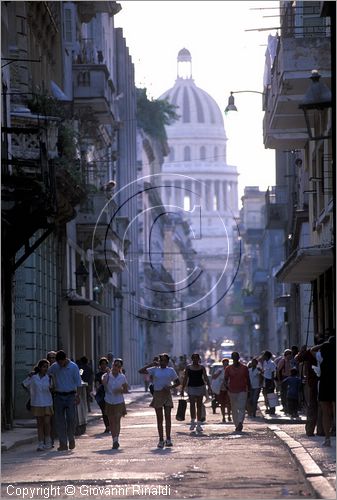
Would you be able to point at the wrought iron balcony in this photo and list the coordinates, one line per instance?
(304, 45)
(37, 192)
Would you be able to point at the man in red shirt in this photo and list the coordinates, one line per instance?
(238, 383)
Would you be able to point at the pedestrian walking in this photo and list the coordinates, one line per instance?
(283, 369)
(196, 380)
(268, 370)
(327, 385)
(292, 386)
(238, 383)
(164, 379)
(255, 377)
(220, 390)
(100, 391)
(40, 385)
(146, 379)
(87, 375)
(310, 389)
(115, 385)
(51, 358)
(67, 382)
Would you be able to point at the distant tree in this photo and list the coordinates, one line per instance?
(154, 114)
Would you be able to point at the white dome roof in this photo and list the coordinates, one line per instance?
(200, 116)
(194, 104)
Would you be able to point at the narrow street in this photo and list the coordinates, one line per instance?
(217, 464)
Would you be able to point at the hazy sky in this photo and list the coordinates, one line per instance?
(225, 58)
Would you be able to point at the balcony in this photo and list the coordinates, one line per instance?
(110, 254)
(281, 294)
(276, 207)
(93, 87)
(37, 191)
(306, 264)
(158, 278)
(88, 10)
(283, 125)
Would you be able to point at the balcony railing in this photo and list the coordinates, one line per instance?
(297, 55)
(276, 206)
(93, 86)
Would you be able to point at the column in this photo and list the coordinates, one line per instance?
(236, 201)
(224, 194)
(203, 198)
(211, 194)
(217, 194)
(177, 193)
(214, 297)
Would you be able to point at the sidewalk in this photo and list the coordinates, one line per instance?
(24, 431)
(317, 463)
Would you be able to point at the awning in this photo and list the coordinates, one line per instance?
(88, 307)
(305, 265)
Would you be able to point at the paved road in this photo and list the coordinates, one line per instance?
(217, 464)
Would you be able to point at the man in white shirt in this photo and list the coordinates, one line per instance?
(255, 376)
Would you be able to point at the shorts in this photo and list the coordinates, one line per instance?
(196, 391)
(162, 398)
(116, 411)
(42, 411)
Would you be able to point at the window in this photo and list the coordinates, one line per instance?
(216, 154)
(68, 25)
(187, 153)
(171, 154)
(202, 153)
(187, 202)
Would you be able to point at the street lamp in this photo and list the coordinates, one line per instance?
(317, 99)
(231, 104)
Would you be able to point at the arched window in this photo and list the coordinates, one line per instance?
(171, 154)
(216, 154)
(202, 153)
(187, 153)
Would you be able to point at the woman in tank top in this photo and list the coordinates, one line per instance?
(195, 378)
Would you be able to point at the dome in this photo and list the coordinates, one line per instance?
(195, 106)
(184, 55)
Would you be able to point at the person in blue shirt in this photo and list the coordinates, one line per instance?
(292, 386)
(67, 379)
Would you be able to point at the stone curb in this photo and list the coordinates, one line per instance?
(318, 483)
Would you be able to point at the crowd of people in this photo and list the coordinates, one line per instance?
(304, 380)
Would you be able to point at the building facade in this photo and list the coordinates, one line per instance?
(67, 86)
(305, 166)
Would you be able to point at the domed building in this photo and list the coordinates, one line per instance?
(199, 181)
